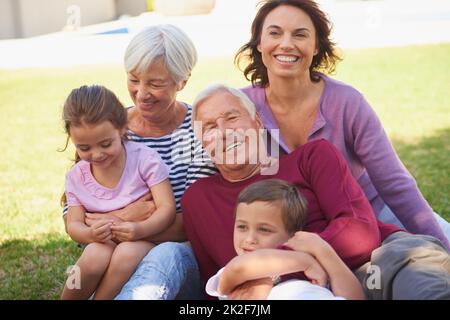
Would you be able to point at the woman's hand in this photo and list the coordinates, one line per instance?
(92, 218)
(101, 231)
(139, 210)
(125, 231)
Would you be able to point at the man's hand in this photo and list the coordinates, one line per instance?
(308, 242)
(101, 231)
(258, 289)
(125, 231)
(314, 245)
(316, 274)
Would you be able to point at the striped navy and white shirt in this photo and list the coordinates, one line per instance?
(183, 154)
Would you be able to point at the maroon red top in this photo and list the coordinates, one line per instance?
(337, 208)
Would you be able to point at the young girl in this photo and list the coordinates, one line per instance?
(267, 216)
(109, 174)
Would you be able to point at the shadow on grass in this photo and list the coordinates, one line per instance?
(428, 160)
(35, 269)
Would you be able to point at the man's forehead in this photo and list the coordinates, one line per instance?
(212, 116)
(220, 104)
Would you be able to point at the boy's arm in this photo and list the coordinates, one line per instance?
(265, 263)
(343, 282)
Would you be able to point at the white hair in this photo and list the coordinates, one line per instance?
(215, 88)
(167, 42)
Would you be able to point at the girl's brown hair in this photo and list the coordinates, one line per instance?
(91, 105)
(325, 59)
(293, 205)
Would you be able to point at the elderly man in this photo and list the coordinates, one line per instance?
(337, 208)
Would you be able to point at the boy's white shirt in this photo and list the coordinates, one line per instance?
(287, 290)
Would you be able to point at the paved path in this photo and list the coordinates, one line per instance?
(357, 24)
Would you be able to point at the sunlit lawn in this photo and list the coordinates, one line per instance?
(408, 87)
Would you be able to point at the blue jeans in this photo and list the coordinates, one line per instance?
(169, 271)
(387, 216)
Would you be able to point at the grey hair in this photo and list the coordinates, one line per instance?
(215, 88)
(164, 41)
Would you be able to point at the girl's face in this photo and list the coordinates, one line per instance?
(258, 225)
(154, 91)
(99, 144)
(288, 42)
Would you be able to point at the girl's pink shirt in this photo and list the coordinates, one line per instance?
(143, 169)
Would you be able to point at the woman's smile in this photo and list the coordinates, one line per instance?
(287, 59)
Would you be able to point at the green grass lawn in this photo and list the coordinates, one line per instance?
(408, 87)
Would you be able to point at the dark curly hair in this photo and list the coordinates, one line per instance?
(324, 60)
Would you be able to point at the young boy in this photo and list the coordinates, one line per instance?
(267, 215)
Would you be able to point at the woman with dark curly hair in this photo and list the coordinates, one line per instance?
(286, 60)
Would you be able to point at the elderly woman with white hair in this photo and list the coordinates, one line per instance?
(158, 62)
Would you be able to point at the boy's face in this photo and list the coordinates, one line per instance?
(258, 225)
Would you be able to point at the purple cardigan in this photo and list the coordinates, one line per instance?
(347, 120)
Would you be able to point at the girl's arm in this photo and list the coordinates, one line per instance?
(160, 220)
(81, 233)
(139, 210)
(343, 282)
(265, 263)
(164, 215)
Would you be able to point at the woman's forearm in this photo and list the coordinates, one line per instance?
(392, 180)
(139, 210)
(136, 211)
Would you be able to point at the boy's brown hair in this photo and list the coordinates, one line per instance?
(293, 204)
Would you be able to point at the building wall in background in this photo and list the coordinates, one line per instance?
(130, 8)
(28, 18)
(8, 27)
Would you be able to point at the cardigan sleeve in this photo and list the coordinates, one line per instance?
(393, 182)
